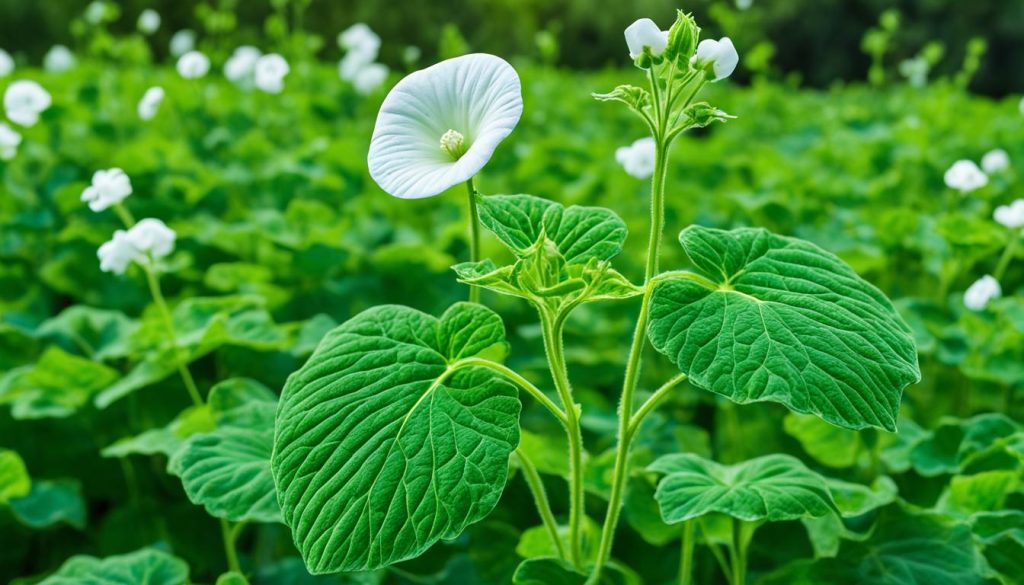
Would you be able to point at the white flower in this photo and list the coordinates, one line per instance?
(411, 54)
(916, 71)
(744, 4)
(359, 38)
(269, 73)
(149, 105)
(637, 158)
(182, 42)
(1020, 106)
(239, 67)
(118, 253)
(58, 59)
(108, 188)
(149, 21)
(439, 126)
(644, 33)
(965, 176)
(721, 55)
(94, 12)
(24, 100)
(1011, 216)
(193, 65)
(351, 64)
(995, 161)
(9, 141)
(981, 292)
(370, 77)
(152, 238)
(6, 63)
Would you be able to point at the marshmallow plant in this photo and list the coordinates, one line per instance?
(399, 430)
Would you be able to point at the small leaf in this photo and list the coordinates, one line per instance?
(14, 479)
(100, 333)
(547, 571)
(166, 440)
(227, 471)
(635, 97)
(232, 578)
(956, 444)
(50, 503)
(142, 567)
(827, 444)
(56, 386)
(773, 487)
(983, 492)
(383, 446)
(854, 499)
(769, 318)
(237, 392)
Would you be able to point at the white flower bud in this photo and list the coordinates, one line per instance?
(238, 69)
(108, 188)
(149, 21)
(638, 158)
(995, 161)
(645, 34)
(269, 72)
(718, 57)
(1011, 216)
(149, 105)
(182, 42)
(981, 292)
(193, 65)
(965, 176)
(360, 38)
(58, 59)
(6, 63)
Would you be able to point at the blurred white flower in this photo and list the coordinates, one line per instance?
(118, 253)
(360, 38)
(637, 158)
(149, 21)
(965, 176)
(152, 238)
(411, 55)
(95, 12)
(109, 187)
(744, 4)
(149, 105)
(6, 63)
(269, 73)
(1011, 216)
(351, 64)
(981, 292)
(58, 59)
(9, 141)
(916, 71)
(370, 77)
(238, 69)
(193, 65)
(24, 100)
(720, 55)
(644, 33)
(439, 126)
(1020, 106)
(995, 161)
(182, 42)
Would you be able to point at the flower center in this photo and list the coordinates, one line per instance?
(454, 144)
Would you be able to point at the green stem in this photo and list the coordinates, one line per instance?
(686, 554)
(716, 551)
(652, 403)
(229, 534)
(540, 498)
(474, 236)
(522, 382)
(552, 330)
(737, 554)
(158, 298)
(633, 365)
(1004, 260)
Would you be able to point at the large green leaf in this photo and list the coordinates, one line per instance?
(773, 487)
(580, 233)
(956, 445)
(142, 567)
(14, 478)
(227, 471)
(767, 317)
(383, 446)
(100, 333)
(51, 502)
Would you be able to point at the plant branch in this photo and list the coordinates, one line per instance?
(651, 403)
(474, 236)
(520, 381)
(540, 498)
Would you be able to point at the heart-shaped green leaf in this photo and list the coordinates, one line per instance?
(385, 444)
(580, 233)
(772, 318)
(773, 487)
(227, 471)
(142, 567)
(51, 502)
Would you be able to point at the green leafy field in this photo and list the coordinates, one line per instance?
(285, 242)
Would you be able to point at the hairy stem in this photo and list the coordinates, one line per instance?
(228, 534)
(652, 403)
(165, 313)
(520, 381)
(540, 498)
(686, 554)
(737, 554)
(474, 237)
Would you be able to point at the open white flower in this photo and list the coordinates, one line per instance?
(238, 69)
(439, 126)
(360, 38)
(59, 59)
(108, 188)
(152, 238)
(995, 161)
(24, 100)
(149, 21)
(645, 34)
(149, 105)
(9, 141)
(965, 176)
(269, 72)
(193, 65)
(116, 254)
(182, 42)
(637, 158)
(981, 292)
(1011, 216)
(720, 56)
(6, 63)
(370, 77)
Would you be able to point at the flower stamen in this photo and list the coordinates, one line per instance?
(454, 144)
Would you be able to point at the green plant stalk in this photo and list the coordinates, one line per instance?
(165, 312)
(737, 554)
(686, 554)
(552, 333)
(1008, 252)
(474, 236)
(229, 535)
(522, 382)
(540, 498)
